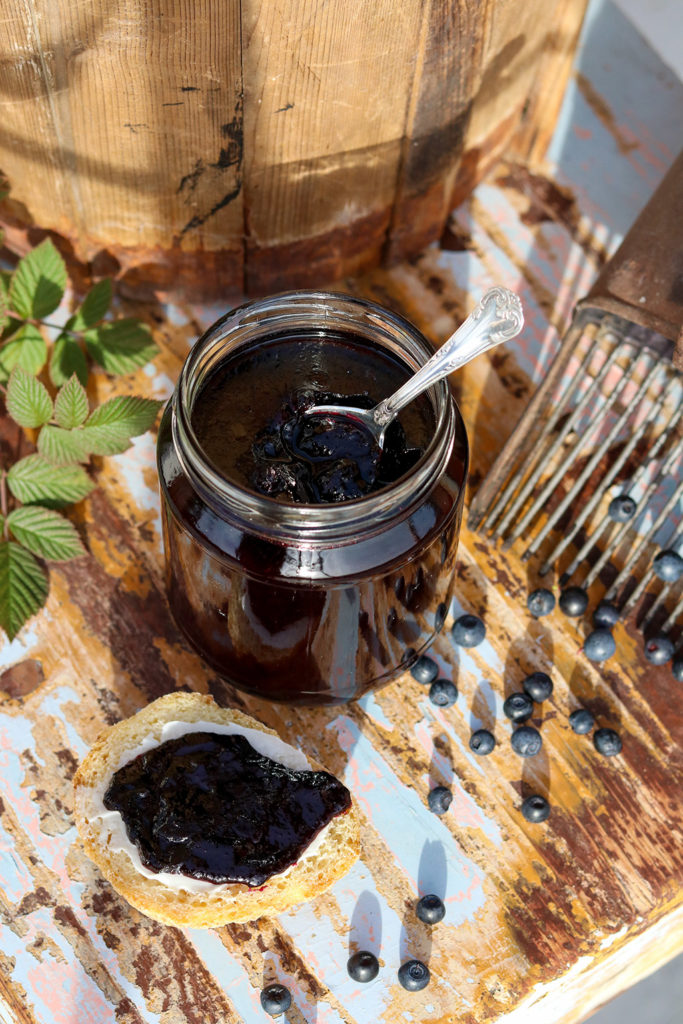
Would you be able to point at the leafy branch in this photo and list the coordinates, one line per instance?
(57, 412)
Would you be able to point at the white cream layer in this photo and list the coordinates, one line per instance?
(113, 830)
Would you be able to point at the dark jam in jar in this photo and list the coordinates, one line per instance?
(300, 580)
(209, 806)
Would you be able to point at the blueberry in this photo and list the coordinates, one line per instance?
(468, 631)
(599, 645)
(622, 508)
(540, 602)
(363, 966)
(413, 975)
(482, 741)
(536, 808)
(430, 909)
(658, 650)
(677, 669)
(425, 670)
(607, 742)
(275, 999)
(539, 686)
(581, 721)
(526, 741)
(606, 615)
(439, 799)
(443, 693)
(518, 707)
(573, 601)
(668, 565)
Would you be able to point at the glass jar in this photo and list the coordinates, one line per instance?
(309, 604)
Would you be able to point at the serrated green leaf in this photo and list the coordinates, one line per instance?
(62, 447)
(38, 282)
(66, 359)
(45, 533)
(26, 348)
(27, 400)
(71, 404)
(4, 306)
(35, 481)
(105, 440)
(23, 587)
(130, 413)
(95, 305)
(122, 346)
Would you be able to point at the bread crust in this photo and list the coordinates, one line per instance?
(234, 902)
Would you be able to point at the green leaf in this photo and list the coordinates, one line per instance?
(38, 282)
(23, 587)
(66, 359)
(62, 447)
(71, 404)
(4, 306)
(128, 413)
(104, 440)
(45, 533)
(34, 480)
(26, 348)
(95, 305)
(27, 400)
(121, 346)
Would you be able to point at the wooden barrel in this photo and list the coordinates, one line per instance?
(202, 145)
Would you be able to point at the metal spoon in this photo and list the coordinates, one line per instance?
(497, 318)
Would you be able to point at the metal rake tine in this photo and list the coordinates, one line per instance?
(656, 605)
(588, 469)
(550, 486)
(671, 619)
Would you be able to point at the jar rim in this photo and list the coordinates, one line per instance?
(261, 318)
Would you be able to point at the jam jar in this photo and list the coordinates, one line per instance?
(307, 602)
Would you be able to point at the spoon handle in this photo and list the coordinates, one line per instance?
(498, 317)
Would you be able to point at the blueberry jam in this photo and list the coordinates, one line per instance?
(258, 434)
(209, 806)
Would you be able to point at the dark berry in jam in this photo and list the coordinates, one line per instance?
(540, 602)
(425, 670)
(526, 741)
(209, 806)
(363, 966)
(539, 686)
(606, 615)
(518, 707)
(276, 999)
(443, 693)
(439, 799)
(599, 645)
(468, 631)
(573, 601)
(581, 721)
(482, 741)
(430, 909)
(607, 742)
(413, 975)
(535, 808)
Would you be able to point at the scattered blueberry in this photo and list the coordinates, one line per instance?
(443, 693)
(439, 799)
(276, 999)
(518, 707)
(482, 741)
(539, 686)
(607, 742)
(606, 615)
(540, 602)
(526, 741)
(430, 909)
(599, 645)
(536, 808)
(425, 670)
(581, 721)
(668, 565)
(440, 616)
(677, 669)
(363, 966)
(658, 650)
(468, 631)
(622, 508)
(413, 975)
(573, 601)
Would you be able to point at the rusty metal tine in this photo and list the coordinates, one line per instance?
(656, 604)
(634, 557)
(642, 586)
(534, 478)
(536, 450)
(590, 505)
(505, 461)
(625, 527)
(678, 610)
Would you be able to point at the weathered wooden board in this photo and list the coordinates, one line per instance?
(543, 922)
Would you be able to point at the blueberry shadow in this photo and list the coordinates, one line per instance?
(483, 709)
(416, 936)
(365, 929)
